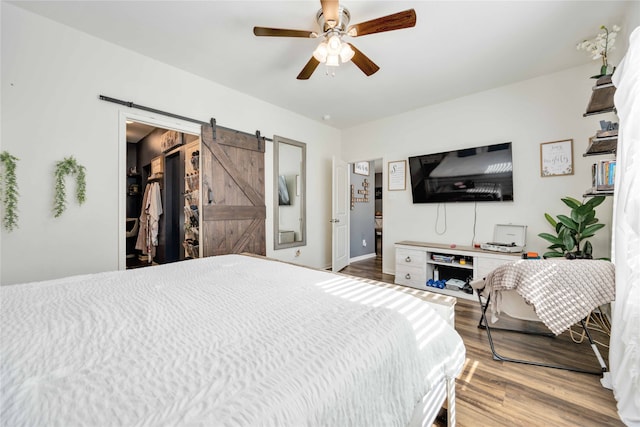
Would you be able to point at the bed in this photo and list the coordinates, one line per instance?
(231, 340)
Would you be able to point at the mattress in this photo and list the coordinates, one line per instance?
(229, 340)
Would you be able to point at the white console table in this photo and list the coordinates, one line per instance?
(415, 265)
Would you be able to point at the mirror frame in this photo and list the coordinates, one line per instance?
(277, 140)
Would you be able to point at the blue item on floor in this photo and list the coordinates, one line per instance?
(440, 284)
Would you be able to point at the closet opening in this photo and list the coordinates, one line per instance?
(163, 206)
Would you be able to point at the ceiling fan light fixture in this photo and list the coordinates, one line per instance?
(332, 60)
(334, 44)
(346, 53)
(321, 52)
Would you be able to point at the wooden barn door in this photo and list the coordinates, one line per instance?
(233, 202)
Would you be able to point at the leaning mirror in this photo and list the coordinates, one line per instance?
(289, 193)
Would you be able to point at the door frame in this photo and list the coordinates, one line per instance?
(159, 121)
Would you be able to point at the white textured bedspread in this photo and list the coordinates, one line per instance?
(222, 341)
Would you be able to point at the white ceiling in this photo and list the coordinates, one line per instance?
(456, 48)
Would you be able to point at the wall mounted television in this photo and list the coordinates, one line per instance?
(479, 174)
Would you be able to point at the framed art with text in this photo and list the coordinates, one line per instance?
(397, 175)
(556, 158)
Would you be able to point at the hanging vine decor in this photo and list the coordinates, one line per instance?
(68, 166)
(9, 186)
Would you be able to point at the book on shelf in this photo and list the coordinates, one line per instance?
(603, 175)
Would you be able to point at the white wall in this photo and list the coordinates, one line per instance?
(528, 113)
(51, 78)
(632, 19)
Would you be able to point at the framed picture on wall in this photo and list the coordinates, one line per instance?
(397, 175)
(556, 158)
(361, 168)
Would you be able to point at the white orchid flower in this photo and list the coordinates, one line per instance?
(601, 44)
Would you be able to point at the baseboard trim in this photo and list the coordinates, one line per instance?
(362, 257)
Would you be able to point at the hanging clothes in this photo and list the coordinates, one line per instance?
(149, 220)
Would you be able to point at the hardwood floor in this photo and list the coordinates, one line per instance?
(496, 393)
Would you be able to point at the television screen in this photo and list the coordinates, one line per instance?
(480, 174)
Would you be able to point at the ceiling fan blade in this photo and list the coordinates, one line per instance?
(363, 62)
(279, 32)
(331, 12)
(308, 69)
(397, 21)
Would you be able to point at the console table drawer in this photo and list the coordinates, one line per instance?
(411, 275)
(410, 257)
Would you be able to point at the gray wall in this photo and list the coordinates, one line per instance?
(362, 216)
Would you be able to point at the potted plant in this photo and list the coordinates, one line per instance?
(573, 230)
(599, 48)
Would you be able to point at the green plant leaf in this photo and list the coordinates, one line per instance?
(592, 229)
(568, 222)
(563, 232)
(583, 209)
(595, 201)
(571, 202)
(559, 227)
(569, 242)
(589, 219)
(578, 216)
(550, 220)
(550, 238)
(588, 249)
(582, 212)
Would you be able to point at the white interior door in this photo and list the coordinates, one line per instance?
(340, 216)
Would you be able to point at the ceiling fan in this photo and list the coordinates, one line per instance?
(333, 20)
